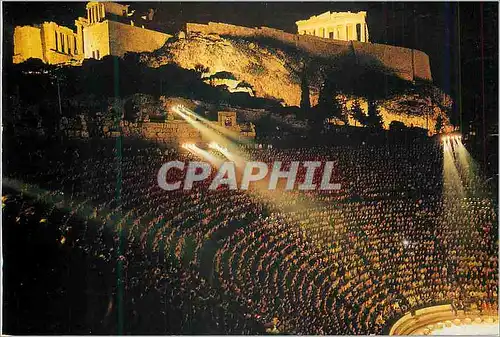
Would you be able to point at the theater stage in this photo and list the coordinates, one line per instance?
(482, 328)
(443, 320)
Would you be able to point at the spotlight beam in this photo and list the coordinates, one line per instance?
(228, 133)
(259, 190)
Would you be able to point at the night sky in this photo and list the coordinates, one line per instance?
(460, 38)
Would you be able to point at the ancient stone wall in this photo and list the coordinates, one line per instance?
(395, 59)
(114, 8)
(62, 49)
(49, 42)
(220, 29)
(96, 38)
(27, 43)
(323, 47)
(127, 38)
(407, 63)
(421, 64)
(171, 132)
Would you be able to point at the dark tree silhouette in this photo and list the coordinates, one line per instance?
(328, 104)
(357, 113)
(374, 119)
(439, 124)
(305, 100)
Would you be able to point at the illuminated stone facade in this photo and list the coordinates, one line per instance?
(108, 29)
(345, 26)
(48, 42)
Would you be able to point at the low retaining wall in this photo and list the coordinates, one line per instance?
(172, 131)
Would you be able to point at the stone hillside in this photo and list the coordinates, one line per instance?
(274, 73)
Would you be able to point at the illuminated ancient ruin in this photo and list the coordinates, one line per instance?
(336, 25)
(108, 29)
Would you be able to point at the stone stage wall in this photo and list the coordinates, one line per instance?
(173, 132)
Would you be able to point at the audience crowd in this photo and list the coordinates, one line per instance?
(350, 261)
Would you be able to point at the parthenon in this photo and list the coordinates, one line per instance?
(344, 26)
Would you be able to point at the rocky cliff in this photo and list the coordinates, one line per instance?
(267, 72)
(276, 73)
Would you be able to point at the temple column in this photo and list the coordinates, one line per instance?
(88, 15)
(79, 39)
(57, 40)
(103, 11)
(363, 32)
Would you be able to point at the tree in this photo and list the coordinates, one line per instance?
(357, 113)
(335, 109)
(439, 124)
(131, 112)
(305, 100)
(344, 113)
(374, 119)
(328, 103)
